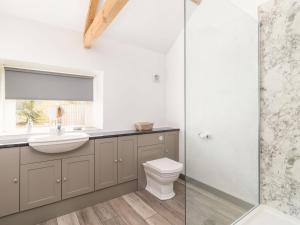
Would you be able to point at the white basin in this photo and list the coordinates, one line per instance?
(58, 143)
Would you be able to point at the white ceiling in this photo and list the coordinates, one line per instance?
(249, 6)
(152, 24)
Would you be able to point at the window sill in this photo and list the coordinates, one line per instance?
(23, 133)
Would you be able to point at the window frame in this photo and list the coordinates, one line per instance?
(6, 118)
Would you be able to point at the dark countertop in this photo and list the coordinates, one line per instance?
(21, 142)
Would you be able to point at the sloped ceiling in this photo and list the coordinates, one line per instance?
(151, 24)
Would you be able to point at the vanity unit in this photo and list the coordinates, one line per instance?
(36, 186)
(115, 160)
(48, 178)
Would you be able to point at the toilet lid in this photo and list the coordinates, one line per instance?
(165, 165)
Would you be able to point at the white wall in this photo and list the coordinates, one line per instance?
(175, 83)
(249, 6)
(222, 97)
(175, 89)
(130, 94)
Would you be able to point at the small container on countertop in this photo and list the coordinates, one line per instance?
(143, 126)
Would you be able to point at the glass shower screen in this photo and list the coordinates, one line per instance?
(222, 112)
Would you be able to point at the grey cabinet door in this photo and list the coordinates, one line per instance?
(40, 184)
(172, 145)
(147, 153)
(106, 162)
(77, 176)
(127, 154)
(9, 176)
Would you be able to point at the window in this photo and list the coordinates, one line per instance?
(76, 114)
(25, 94)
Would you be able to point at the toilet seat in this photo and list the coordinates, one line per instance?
(165, 166)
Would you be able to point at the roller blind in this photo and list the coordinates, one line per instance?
(40, 85)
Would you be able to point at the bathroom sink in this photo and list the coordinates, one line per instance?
(58, 143)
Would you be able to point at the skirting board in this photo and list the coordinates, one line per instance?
(44, 213)
(223, 195)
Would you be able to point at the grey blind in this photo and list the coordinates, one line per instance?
(37, 85)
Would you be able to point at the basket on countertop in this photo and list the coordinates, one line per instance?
(143, 126)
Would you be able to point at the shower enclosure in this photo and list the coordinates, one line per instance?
(221, 112)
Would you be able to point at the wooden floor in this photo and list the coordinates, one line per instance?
(205, 208)
(139, 208)
(142, 208)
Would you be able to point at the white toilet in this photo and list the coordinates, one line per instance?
(160, 174)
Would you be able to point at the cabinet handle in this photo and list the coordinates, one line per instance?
(120, 160)
(161, 138)
(15, 180)
(116, 160)
(65, 179)
(58, 181)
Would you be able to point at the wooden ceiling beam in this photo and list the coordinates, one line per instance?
(103, 19)
(91, 14)
(196, 1)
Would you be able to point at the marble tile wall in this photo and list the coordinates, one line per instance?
(280, 105)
